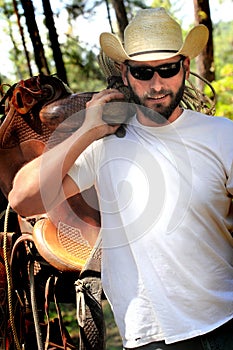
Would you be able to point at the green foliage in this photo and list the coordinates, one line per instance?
(113, 339)
(223, 54)
(224, 90)
(82, 67)
(161, 3)
(223, 50)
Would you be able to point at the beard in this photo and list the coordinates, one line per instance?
(159, 113)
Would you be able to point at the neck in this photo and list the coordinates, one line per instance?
(145, 120)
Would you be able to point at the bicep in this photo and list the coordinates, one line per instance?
(70, 188)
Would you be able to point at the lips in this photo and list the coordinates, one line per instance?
(159, 97)
(156, 98)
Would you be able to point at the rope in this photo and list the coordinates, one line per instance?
(9, 282)
(195, 99)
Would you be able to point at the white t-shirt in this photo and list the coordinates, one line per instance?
(165, 197)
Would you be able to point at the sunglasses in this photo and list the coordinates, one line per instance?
(165, 71)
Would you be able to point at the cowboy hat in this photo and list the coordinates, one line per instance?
(154, 35)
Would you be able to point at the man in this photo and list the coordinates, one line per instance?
(165, 193)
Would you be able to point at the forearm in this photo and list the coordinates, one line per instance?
(37, 186)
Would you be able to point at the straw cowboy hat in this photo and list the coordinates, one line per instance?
(154, 35)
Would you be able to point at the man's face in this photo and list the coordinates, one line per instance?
(161, 89)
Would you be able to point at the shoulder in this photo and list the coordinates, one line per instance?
(210, 121)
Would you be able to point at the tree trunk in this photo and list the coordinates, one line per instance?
(22, 37)
(39, 54)
(121, 16)
(53, 37)
(205, 61)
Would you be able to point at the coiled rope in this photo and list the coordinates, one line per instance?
(9, 281)
(10, 288)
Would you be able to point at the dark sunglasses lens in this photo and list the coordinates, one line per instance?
(170, 70)
(141, 73)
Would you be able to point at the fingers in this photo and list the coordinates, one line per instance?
(94, 112)
(104, 96)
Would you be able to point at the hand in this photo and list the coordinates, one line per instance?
(94, 111)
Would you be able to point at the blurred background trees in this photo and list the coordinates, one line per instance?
(57, 37)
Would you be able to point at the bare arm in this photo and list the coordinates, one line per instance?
(35, 184)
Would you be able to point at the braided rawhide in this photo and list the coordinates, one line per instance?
(193, 98)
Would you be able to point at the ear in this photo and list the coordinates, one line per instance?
(186, 65)
(124, 73)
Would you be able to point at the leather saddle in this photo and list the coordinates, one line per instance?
(65, 238)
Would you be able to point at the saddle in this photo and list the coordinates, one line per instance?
(66, 240)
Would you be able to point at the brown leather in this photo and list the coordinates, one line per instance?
(12, 159)
(67, 112)
(19, 144)
(22, 133)
(23, 136)
(67, 238)
(63, 247)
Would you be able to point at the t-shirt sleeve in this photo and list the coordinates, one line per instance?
(84, 169)
(227, 154)
(230, 181)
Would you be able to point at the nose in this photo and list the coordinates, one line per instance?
(156, 82)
